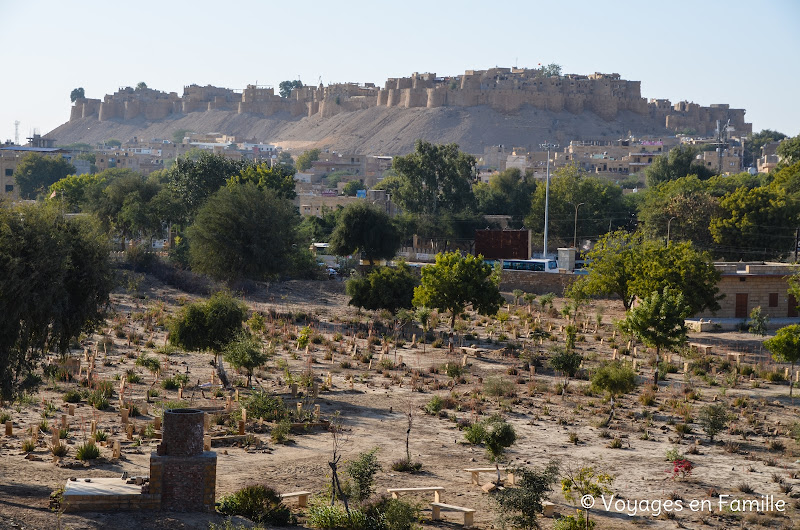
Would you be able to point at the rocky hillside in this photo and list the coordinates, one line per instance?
(377, 130)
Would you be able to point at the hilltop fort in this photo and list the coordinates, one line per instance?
(504, 90)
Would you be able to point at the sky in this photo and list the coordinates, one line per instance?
(745, 54)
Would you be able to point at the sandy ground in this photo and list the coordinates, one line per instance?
(372, 415)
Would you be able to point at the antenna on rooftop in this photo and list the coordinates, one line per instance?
(16, 132)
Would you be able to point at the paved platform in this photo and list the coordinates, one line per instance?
(101, 486)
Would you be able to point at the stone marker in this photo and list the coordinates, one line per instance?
(294, 389)
(157, 423)
(116, 452)
(72, 410)
(124, 412)
(241, 427)
(63, 421)
(316, 412)
(207, 442)
(9, 427)
(129, 431)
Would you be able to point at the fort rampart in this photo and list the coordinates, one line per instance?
(505, 90)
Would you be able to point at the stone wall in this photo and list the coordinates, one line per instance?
(536, 282)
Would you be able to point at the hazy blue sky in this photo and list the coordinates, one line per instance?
(745, 54)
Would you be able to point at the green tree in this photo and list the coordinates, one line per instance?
(35, 173)
(285, 87)
(363, 228)
(433, 180)
(209, 325)
(244, 353)
(785, 347)
(507, 193)
(615, 379)
(629, 266)
(551, 70)
(455, 281)
(575, 483)
(113, 142)
(279, 178)
(76, 94)
(521, 505)
(141, 85)
(496, 435)
(601, 205)
(678, 163)
(55, 283)
(75, 192)
(758, 221)
(319, 229)
(243, 231)
(789, 151)
(303, 161)
(285, 158)
(194, 181)
(390, 288)
(179, 135)
(754, 143)
(758, 322)
(659, 320)
(351, 188)
(713, 419)
(125, 205)
(566, 361)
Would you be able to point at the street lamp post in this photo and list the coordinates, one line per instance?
(547, 146)
(668, 223)
(575, 234)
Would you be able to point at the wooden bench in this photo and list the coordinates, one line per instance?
(476, 471)
(435, 489)
(302, 497)
(548, 508)
(469, 513)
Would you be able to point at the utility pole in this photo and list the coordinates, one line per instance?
(575, 234)
(668, 223)
(547, 146)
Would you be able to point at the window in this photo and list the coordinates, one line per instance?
(773, 299)
(9, 188)
(9, 172)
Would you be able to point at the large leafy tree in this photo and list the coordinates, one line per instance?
(659, 321)
(455, 281)
(362, 227)
(243, 231)
(678, 163)
(285, 87)
(35, 173)
(630, 266)
(522, 505)
(507, 193)
(390, 288)
(76, 94)
(789, 151)
(279, 178)
(126, 207)
(433, 180)
(55, 278)
(616, 379)
(601, 205)
(755, 141)
(756, 223)
(194, 181)
(303, 161)
(785, 347)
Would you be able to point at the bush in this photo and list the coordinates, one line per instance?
(406, 466)
(100, 436)
(87, 452)
(390, 514)
(280, 433)
(259, 503)
(105, 388)
(434, 405)
(520, 506)
(498, 386)
(70, 396)
(326, 517)
(98, 400)
(60, 450)
(28, 446)
(573, 522)
(262, 405)
(362, 470)
(475, 433)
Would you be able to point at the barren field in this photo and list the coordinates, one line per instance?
(752, 458)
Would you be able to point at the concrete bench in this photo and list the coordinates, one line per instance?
(476, 471)
(548, 508)
(435, 489)
(302, 497)
(701, 348)
(469, 513)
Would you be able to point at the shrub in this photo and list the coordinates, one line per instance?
(519, 506)
(475, 433)
(105, 388)
(682, 468)
(87, 452)
(362, 470)
(259, 503)
(326, 517)
(70, 396)
(132, 377)
(28, 446)
(434, 405)
(713, 419)
(497, 386)
(280, 433)
(390, 514)
(98, 400)
(262, 405)
(170, 383)
(100, 436)
(406, 466)
(60, 450)
(616, 443)
(673, 455)
(574, 522)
